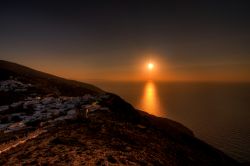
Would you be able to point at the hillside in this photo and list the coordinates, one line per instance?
(47, 120)
(42, 83)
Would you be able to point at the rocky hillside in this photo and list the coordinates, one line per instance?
(31, 82)
(47, 120)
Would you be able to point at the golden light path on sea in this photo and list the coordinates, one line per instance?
(150, 101)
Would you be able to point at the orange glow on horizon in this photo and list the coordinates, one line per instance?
(163, 70)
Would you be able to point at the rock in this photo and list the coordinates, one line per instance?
(39, 107)
(4, 108)
(15, 127)
(38, 98)
(128, 148)
(31, 103)
(141, 126)
(4, 126)
(111, 159)
(20, 90)
(48, 100)
(71, 112)
(43, 124)
(104, 109)
(4, 119)
(28, 98)
(92, 107)
(33, 122)
(62, 118)
(17, 104)
(13, 85)
(81, 113)
(104, 96)
(15, 118)
(55, 112)
(86, 97)
(103, 130)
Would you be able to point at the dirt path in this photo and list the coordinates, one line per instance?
(9, 145)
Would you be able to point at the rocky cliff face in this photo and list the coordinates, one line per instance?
(49, 120)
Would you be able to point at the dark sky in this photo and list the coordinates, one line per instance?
(187, 40)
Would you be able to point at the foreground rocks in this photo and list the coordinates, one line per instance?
(113, 134)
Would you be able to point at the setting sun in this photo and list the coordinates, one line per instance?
(150, 66)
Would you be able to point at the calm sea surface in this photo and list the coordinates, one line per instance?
(218, 113)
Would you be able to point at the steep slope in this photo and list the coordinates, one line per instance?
(41, 83)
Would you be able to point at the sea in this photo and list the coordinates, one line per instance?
(217, 113)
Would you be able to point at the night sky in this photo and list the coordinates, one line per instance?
(206, 40)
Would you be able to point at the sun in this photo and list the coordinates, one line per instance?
(150, 66)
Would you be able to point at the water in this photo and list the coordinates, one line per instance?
(218, 113)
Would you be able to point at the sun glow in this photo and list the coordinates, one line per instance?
(150, 66)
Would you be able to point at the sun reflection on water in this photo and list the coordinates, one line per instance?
(150, 100)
